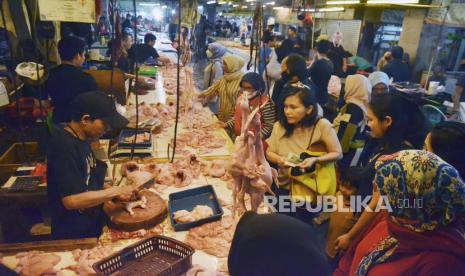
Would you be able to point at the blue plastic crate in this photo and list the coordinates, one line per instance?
(188, 199)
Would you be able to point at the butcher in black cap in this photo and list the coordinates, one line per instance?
(75, 177)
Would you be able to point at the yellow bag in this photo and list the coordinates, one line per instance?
(322, 181)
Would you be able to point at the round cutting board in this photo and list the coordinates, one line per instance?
(154, 213)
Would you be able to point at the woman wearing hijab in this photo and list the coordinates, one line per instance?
(424, 232)
(227, 88)
(351, 121)
(379, 82)
(253, 87)
(275, 245)
(214, 71)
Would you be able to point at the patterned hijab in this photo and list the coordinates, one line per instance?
(410, 177)
(421, 176)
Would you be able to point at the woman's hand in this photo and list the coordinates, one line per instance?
(308, 163)
(343, 242)
(220, 124)
(282, 162)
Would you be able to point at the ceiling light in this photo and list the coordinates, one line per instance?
(393, 1)
(164, 7)
(278, 8)
(333, 9)
(148, 4)
(211, 2)
(235, 5)
(250, 0)
(346, 2)
(221, 2)
(245, 7)
(270, 3)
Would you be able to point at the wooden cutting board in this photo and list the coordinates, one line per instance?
(154, 213)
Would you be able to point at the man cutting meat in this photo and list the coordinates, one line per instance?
(75, 178)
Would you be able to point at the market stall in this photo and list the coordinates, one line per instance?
(209, 158)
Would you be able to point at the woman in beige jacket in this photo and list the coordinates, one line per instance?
(227, 88)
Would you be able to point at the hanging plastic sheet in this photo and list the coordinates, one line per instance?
(454, 16)
(189, 14)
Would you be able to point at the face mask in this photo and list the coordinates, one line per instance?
(209, 54)
(250, 94)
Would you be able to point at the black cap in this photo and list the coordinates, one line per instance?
(99, 106)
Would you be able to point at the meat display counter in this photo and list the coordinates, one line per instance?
(211, 240)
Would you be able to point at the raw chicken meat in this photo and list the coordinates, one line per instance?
(199, 212)
(36, 263)
(251, 171)
(203, 141)
(216, 168)
(159, 111)
(141, 203)
(214, 238)
(114, 235)
(138, 174)
(140, 138)
(183, 179)
(86, 258)
(198, 270)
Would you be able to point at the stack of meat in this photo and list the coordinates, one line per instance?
(86, 258)
(214, 238)
(199, 118)
(37, 263)
(112, 235)
(170, 79)
(202, 141)
(162, 112)
(178, 174)
(251, 172)
(199, 212)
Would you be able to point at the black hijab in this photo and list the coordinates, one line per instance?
(275, 245)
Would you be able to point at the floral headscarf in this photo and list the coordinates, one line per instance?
(414, 176)
(405, 178)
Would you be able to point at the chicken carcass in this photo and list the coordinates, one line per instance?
(199, 212)
(36, 263)
(87, 257)
(214, 238)
(141, 203)
(250, 170)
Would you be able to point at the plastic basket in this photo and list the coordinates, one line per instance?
(156, 255)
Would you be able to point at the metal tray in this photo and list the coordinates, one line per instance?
(188, 199)
(128, 133)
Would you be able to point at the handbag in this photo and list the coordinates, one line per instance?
(320, 179)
